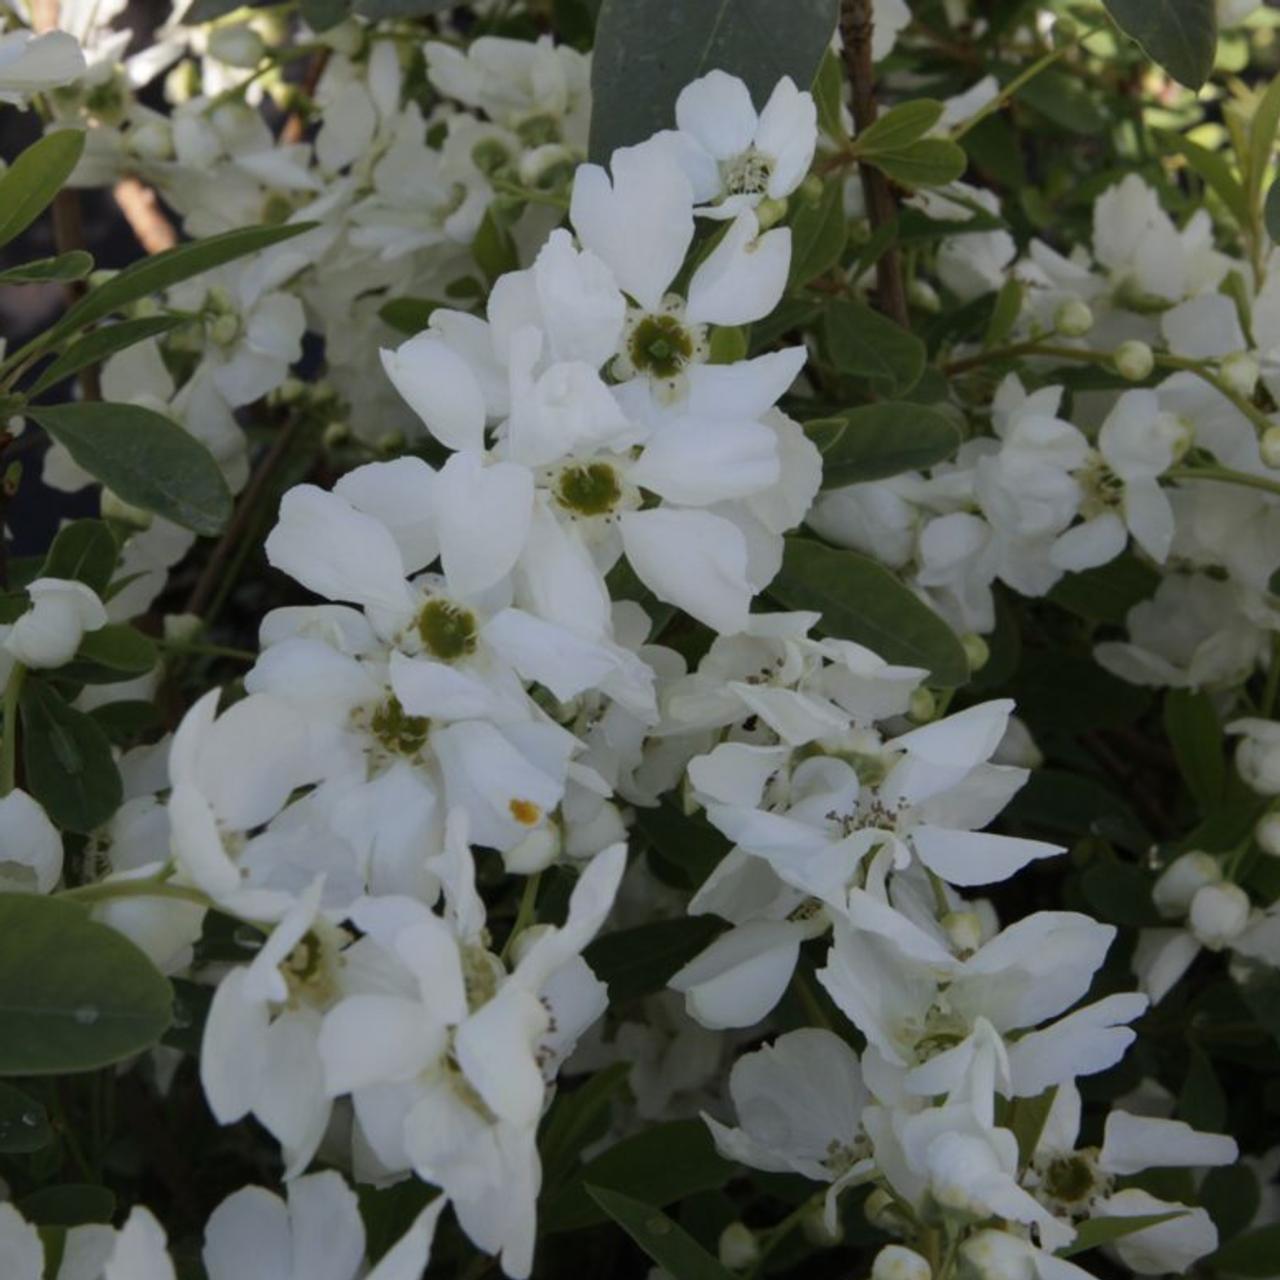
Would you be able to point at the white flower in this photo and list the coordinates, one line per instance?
(31, 850)
(736, 157)
(31, 64)
(49, 633)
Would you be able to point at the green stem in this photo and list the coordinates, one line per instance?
(152, 887)
(9, 748)
(525, 914)
(1226, 475)
(817, 1015)
(1011, 89)
(1272, 686)
(529, 194)
(207, 650)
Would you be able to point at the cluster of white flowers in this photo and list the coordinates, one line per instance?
(482, 690)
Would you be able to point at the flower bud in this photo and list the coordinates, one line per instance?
(152, 140)
(976, 650)
(995, 1255)
(1134, 360)
(1073, 319)
(769, 212)
(810, 190)
(924, 296)
(1240, 373)
(1258, 759)
(182, 628)
(896, 1262)
(881, 1212)
(923, 706)
(817, 1230)
(1267, 834)
(237, 46)
(335, 433)
(1181, 880)
(1270, 446)
(114, 507)
(964, 930)
(225, 329)
(49, 633)
(1065, 32)
(1219, 914)
(738, 1248)
(536, 852)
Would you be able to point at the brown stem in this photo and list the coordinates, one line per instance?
(295, 126)
(856, 23)
(205, 587)
(141, 208)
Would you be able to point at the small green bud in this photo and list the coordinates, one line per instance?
(1270, 446)
(1073, 319)
(924, 706)
(738, 1248)
(770, 212)
(1134, 360)
(976, 650)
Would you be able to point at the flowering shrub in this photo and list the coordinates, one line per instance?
(676, 668)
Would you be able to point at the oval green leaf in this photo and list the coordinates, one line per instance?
(864, 344)
(74, 995)
(144, 458)
(646, 51)
(862, 601)
(24, 1126)
(1181, 35)
(34, 178)
(74, 265)
(886, 439)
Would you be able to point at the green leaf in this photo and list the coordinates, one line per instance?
(684, 848)
(149, 275)
(74, 265)
(660, 1165)
(885, 439)
(1262, 140)
(646, 51)
(144, 458)
(1119, 893)
(1259, 986)
(1064, 100)
(1005, 313)
(1093, 1232)
(375, 10)
(931, 162)
(1201, 1101)
(110, 654)
(1181, 35)
(126, 720)
(1108, 593)
(70, 1205)
(24, 1126)
(1070, 693)
(1252, 1254)
(865, 344)
(29, 184)
(1026, 1121)
(1214, 170)
(209, 10)
(863, 601)
(819, 233)
(493, 248)
(320, 15)
(83, 551)
(74, 994)
(68, 760)
(98, 344)
(899, 127)
(1062, 803)
(668, 1244)
(639, 961)
(1271, 216)
(828, 94)
(408, 315)
(1232, 1196)
(1195, 734)
(577, 1117)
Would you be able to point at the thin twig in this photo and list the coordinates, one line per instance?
(856, 23)
(141, 208)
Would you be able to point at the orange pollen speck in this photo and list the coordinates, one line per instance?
(525, 812)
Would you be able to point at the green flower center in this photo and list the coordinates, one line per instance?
(1069, 1179)
(400, 733)
(592, 489)
(748, 174)
(447, 630)
(660, 345)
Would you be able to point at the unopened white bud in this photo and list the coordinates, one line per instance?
(1219, 914)
(924, 296)
(152, 140)
(113, 507)
(1258, 759)
(976, 650)
(1240, 373)
(995, 1255)
(1267, 834)
(896, 1262)
(738, 1248)
(182, 628)
(1134, 360)
(924, 706)
(818, 1230)
(536, 852)
(1073, 319)
(1181, 880)
(1269, 446)
(964, 930)
(881, 1212)
(237, 46)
